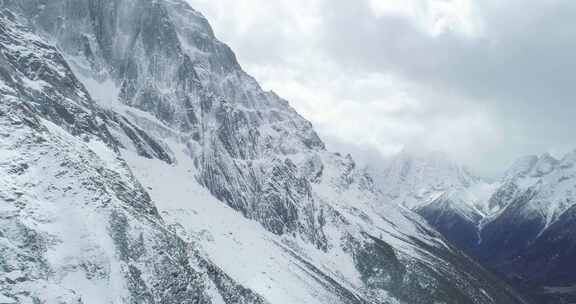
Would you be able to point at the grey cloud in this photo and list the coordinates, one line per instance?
(522, 68)
(528, 51)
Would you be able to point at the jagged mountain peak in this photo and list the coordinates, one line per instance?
(415, 178)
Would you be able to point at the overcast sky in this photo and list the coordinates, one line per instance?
(484, 81)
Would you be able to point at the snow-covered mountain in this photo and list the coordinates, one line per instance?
(520, 226)
(447, 195)
(536, 191)
(531, 240)
(141, 164)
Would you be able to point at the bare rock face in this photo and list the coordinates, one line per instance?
(140, 164)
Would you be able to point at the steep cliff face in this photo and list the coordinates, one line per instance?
(162, 58)
(77, 227)
(139, 158)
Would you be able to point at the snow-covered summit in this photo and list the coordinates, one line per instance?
(548, 178)
(415, 179)
(445, 193)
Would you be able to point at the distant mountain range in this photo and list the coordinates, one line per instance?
(520, 226)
